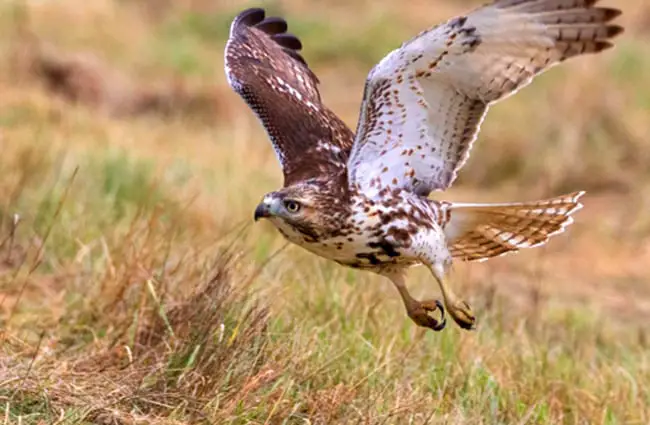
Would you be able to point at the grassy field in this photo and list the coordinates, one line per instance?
(134, 288)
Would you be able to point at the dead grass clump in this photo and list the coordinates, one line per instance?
(167, 360)
(324, 406)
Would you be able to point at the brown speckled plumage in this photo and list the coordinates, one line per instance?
(360, 199)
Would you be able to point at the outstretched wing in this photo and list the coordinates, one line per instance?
(424, 102)
(263, 65)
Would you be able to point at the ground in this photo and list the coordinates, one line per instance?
(134, 287)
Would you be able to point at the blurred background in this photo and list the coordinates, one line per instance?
(129, 172)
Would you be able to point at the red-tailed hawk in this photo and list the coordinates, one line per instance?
(362, 199)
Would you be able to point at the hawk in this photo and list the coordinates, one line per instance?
(362, 199)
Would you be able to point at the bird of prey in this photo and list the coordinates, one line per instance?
(362, 199)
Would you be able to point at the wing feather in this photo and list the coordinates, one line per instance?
(424, 102)
(264, 66)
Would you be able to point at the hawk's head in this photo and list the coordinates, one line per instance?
(305, 208)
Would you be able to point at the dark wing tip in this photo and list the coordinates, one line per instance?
(288, 41)
(614, 30)
(275, 27)
(297, 57)
(603, 45)
(611, 13)
(272, 25)
(249, 17)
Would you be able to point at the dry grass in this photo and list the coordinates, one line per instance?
(134, 289)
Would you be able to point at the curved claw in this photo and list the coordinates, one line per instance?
(463, 316)
(421, 315)
(443, 320)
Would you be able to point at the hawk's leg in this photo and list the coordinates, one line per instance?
(459, 310)
(419, 311)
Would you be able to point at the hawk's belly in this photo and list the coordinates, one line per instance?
(369, 251)
(362, 253)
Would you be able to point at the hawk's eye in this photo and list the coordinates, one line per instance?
(292, 206)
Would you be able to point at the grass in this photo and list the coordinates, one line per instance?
(135, 289)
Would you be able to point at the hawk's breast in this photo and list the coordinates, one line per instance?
(378, 233)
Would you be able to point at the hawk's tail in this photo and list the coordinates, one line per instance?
(480, 231)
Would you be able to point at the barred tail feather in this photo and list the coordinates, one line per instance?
(476, 232)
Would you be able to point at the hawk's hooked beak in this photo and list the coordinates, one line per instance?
(262, 211)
